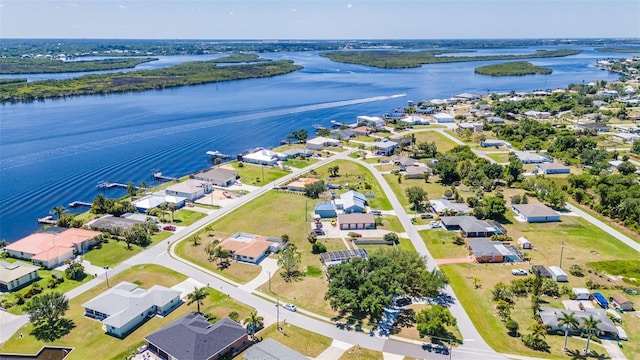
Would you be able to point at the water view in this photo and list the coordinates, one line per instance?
(57, 151)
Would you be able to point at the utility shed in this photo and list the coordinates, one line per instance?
(622, 302)
(581, 293)
(524, 243)
(558, 274)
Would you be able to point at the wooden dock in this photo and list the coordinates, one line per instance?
(218, 154)
(48, 220)
(111, 185)
(158, 176)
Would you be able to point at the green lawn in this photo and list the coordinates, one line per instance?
(303, 341)
(434, 189)
(391, 223)
(184, 217)
(499, 157)
(443, 143)
(114, 252)
(440, 244)
(299, 163)
(257, 175)
(358, 178)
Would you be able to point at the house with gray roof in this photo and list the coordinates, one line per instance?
(190, 189)
(441, 206)
(193, 337)
(551, 317)
(470, 226)
(270, 349)
(218, 176)
(384, 147)
(535, 213)
(404, 161)
(16, 275)
(351, 202)
(342, 134)
(124, 307)
(484, 251)
(552, 168)
(527, 157)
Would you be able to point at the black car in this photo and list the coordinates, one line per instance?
(403, 301)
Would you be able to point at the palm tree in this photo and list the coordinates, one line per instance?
(58, 211)
(208, 230)
(210, 249)
(568, 321)
(196, 239)
(538, 331)
(255, 322)
(131, 189)
(591, 325)
(172, 208)
(197, 296)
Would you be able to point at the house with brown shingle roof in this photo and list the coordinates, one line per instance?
(251, 248)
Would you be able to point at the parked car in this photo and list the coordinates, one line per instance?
(403, 301)
(290, 307)
(318, 231)
(376, 212)
(519, 272)
(434, 224)
(169, 228)
(426, 216)
(333, 222)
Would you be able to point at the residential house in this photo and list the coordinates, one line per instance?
(627, 137)
(551, 318)
(558, 274)
(53, 247)
(351, 202)
(325, 210)
(527, 157)
(535, 213)
(444, 206)
(336, 257)
(441, 118)
(608, 93)
(190, 189)
(153, 201)
(124, 307)
(263, 157)
(193, 337)
(16, 275)
(270, 349)
(384, 147)
(218, 176)
(474, 127)
(356, 221)
(622, 302)
(484, 251)
(404, 161)
(415, 172)
(495, 143)
(469, 226)
(362, 130)
(540, 115)
(319, 143)
(496, 120)
(299, 184)
(342, 134)
(371, 121)
(113, 223)
(594, 126)
(414, 120)
(251, 248)
(297, 152)
(552, 168)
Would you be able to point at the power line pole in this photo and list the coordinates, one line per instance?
(561, 252)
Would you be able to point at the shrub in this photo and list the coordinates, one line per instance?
(318, 248)
(458, 240)
(576, 270)
(512, 326)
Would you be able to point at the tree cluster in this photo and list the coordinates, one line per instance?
(314, 190)
(105, 205)
(364, 287)
(546, 191)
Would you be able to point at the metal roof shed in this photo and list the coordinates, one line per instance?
(558, 274)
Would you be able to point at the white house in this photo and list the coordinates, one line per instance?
(626, 137)
(442, 118)
(371, 121)
(190, 189)
(263, 157)
(124, 307)
(17, 274)
(527, 157)
(384, 147)
(319, 143)
(535, 213)
(219, 176)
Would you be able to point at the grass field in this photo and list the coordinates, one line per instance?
(434, 189)
(303, 341)
(184, 217)
(443, 144)
(358, 177)
(299, 163)
(360, 353)
(440, 244)
(629, 269)
(257, 175)
(115, 252)
(499, 157)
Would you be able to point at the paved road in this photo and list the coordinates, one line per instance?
(608, 229)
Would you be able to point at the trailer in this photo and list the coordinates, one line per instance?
(558, 274)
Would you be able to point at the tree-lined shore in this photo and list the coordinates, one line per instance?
(42, 66)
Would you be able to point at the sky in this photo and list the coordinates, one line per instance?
(319, 19)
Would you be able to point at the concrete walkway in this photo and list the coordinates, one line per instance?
(615, 353)
(10, 324)
(269, 268)
(334, 351)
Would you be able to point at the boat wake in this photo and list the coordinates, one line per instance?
(17, 161)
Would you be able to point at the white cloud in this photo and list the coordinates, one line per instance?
(349, 6)
(231, 13)
(73, 4)
(294, 10)
(122, 6)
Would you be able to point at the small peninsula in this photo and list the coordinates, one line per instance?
(516, 68)
(629, 50)
(189, 73)
(391, 59)
(44, 66)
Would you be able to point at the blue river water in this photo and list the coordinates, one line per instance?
(57, 151)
